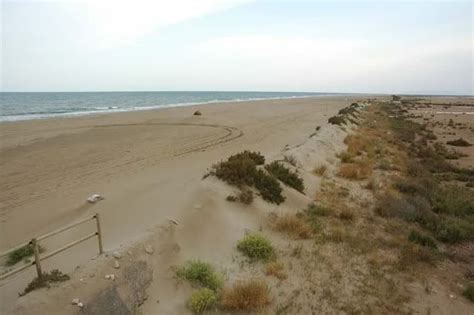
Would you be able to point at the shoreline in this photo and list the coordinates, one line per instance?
(112, 110)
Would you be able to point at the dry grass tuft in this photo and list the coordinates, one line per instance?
(355, 171)
(252, 295)
(346, 215)
(294, 226)
(320, 170)
(275, 269)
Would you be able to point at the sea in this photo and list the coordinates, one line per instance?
(16, 106)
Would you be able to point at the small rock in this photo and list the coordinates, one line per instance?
(94, 198)
(75, 301)
(80, 304)
(197, 113)
(117, 255)
(452, 296)
(149, 249)
(116, 264)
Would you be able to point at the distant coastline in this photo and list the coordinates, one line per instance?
(21, 106)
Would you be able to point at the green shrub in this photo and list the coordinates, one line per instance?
(45, 281)
(246, 196)
(452, 230)
(202, 300)
(337, 120)
(285, 175)
(256, 247)
(257, 157)
(241, 170)
(19, 254)
(200, 273)
(317, 210)
(454, 200)
(268, 187)
(420, 239)
(469, 292)
(238, 172)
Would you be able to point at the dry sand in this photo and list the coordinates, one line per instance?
(149, 167)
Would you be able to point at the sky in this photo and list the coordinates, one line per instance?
(418, 47)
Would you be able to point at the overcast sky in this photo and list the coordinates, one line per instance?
(321, 46)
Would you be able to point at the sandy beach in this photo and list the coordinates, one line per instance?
(147, 165)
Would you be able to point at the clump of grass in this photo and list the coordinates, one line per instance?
(346, 157)
(294, 226)
(290, 159)
(336, 235)
(45, 281)
(459, 143)
(421, 239)
(256, 247)
(469, 292)
(200, 273)
(231, 198)
(454, 200)
(275, 269)
(246, 196)
(411, 254)
(320, 170)
(202, 300)
(19, 254)
(452, 230)
(285, 175)
(252, 295)
(355, 171)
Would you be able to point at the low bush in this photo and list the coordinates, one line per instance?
(469, 292)
(294, 226)
(268, 187)
(241, 170)
(285, 175)
(257, 157)
(459, 143)
(256, 247)
(231, 198)
(337, 120)
(202, 300)
(246, 196)
(346, 157)
(19, 254)
(252, 295)
(200, 273)
(46, 280)
(454, 200)
(421, 239)
(452, 230)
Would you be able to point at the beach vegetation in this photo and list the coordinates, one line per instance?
(320, 170)
(246, 196)
(46, 280)
(202, 300)
(256, 247)
(285, 175)
(275, 269)
(200, 273)
(250, 295)
(469, 292)
(293, 225)
(421, 239)
(337, 120)
(241, 170)
(459, 143)
(20, 254)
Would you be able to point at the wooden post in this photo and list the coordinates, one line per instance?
(37, 258)
(99, 234)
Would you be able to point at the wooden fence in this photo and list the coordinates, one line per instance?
(35, 243)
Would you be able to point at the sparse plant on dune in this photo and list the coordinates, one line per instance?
(202, 300)
(256, 247)
(251, 295)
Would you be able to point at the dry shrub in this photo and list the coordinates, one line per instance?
(294, 226)
(337, 235)
(320, 170)
(346, 215)
(246, 196)
(251, 295)
(275, 269)
(355, 171)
